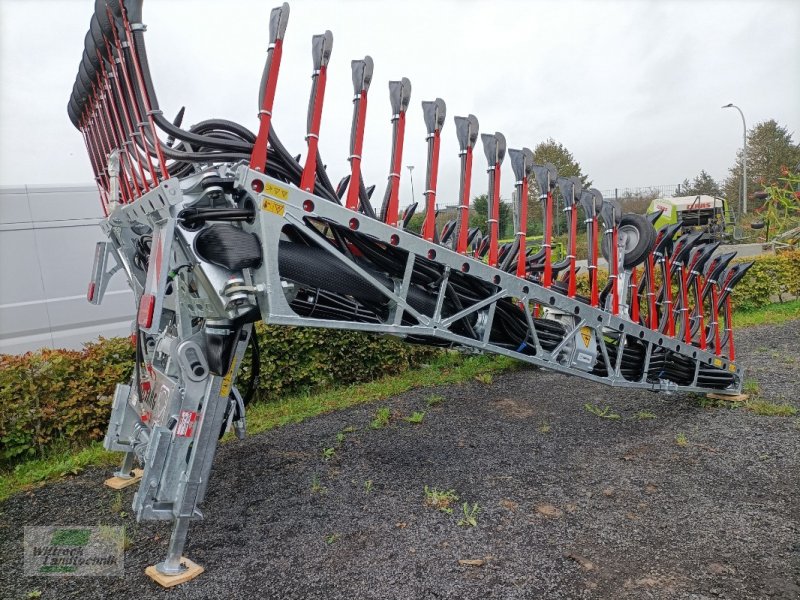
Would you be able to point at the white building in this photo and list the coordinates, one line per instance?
(47, 239)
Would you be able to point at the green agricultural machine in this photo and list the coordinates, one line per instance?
(709, 214)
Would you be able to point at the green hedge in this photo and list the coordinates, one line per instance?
(771, 277)
(62, 398)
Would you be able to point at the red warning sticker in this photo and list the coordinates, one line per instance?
(185, 424)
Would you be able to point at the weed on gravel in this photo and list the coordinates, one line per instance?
(415, 417)
(331, 538)
(765, 408)
(435, 399)
(604, 413)
(441, 500)
(704, 401)
(470, 518)
(317, 487)
(750, 386)
(116, 503)
(381, 419)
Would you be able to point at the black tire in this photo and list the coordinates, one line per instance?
(641, 235)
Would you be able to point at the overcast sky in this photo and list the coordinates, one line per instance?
(633, 89)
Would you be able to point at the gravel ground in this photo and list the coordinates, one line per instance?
(571, 505)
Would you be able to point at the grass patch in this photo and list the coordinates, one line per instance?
(39, 470)
(772, 314)
(750, 386)
(449, 368)
(116, 503)
(755, 404)
(316, 486)
(435, 399)
(681, 440)
(603, 413)
(441, 500)
(645, 414)
(470, 518)
(381, 419)
(770, 409)
(415, 417)
(484, 378)
(704, 401)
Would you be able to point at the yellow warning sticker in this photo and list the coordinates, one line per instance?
(717, 362)
(732, 368)
(227, 381)
(586, 335)
(276, 191)
(273, 206)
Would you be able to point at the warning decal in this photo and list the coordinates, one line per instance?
(586, 335)
(273, 206)
(185, 425)
(225, 389)
(276, 191)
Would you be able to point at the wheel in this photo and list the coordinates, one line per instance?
(640, 238)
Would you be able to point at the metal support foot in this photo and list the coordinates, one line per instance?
(172, 563)
(189, 571)
(126, 468)
(126, 475)
(175, 569)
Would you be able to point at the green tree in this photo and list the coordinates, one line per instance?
(702, 184)
(553, 152)
(782, 204)
(479, 215)
(769, 148)
(415, 222)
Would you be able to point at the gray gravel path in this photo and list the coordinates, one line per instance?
(571, 505)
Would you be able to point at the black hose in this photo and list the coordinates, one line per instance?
(255, 368)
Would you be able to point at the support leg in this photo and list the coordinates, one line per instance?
(175, 569)
(172, 563)
(126, 475)
(126, 468)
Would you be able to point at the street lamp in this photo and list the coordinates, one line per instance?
(743, 202)
(411, 174)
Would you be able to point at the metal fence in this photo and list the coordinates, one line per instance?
(649, 192)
